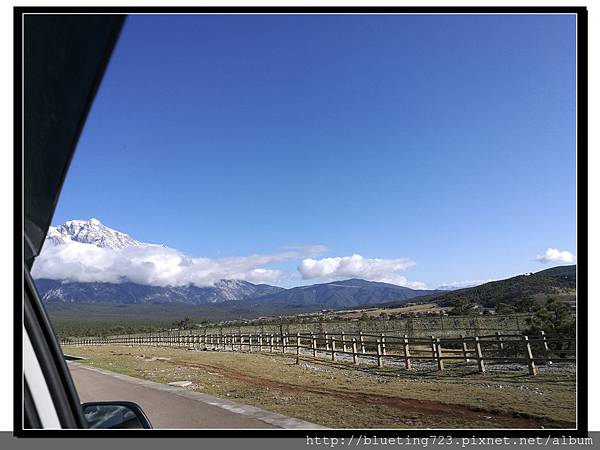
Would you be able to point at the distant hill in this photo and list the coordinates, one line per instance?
(335, 295)
(554, 281)
(565, 273)
(341, 294)
(91, 308)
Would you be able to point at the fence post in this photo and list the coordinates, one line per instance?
(479, 354)
(464, 349)
(383, 350)
(546, 349)
(260, 342)
(362, 342)
(271, 343)
(440, 361)
(327, 342)
(344, 347)
(354, 352)
(333, 348)
(407, 361)
(314, 345)
(297, 348)
(379, 358)
(433, 350)
(284, 342)
(250, 343)
(500, 343)
(533, 370)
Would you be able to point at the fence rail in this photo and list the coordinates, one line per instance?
(369, 347)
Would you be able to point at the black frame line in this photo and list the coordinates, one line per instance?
(581, 202)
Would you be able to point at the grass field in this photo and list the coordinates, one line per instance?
(375, 312)
(335, 394)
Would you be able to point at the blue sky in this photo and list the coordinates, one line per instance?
(445, 140)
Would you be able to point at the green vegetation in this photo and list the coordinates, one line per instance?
(72, 319)
(101, 319)
(555, 317)
(558, 281)
(78, 328)
(185, 324)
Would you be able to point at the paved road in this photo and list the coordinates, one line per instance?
(174, 407)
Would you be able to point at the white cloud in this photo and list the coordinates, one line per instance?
(163, 266)
(554, 255)
(357, 266)
(154, 265)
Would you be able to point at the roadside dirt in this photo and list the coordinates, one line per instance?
(467, 414)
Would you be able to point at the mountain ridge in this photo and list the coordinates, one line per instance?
(558, 281)
(337, 294)
(342, 293)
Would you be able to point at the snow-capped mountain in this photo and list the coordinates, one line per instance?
(57, 291)
(91, 232)
(71, 269)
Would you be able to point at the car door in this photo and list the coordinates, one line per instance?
(64, 58)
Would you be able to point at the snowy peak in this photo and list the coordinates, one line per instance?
(91, 232)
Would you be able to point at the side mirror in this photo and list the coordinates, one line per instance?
(115, 415)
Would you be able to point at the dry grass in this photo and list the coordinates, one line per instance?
(339, 395)
(375, 312)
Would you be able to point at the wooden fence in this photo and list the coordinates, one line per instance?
(371, 348)
(420, 326)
